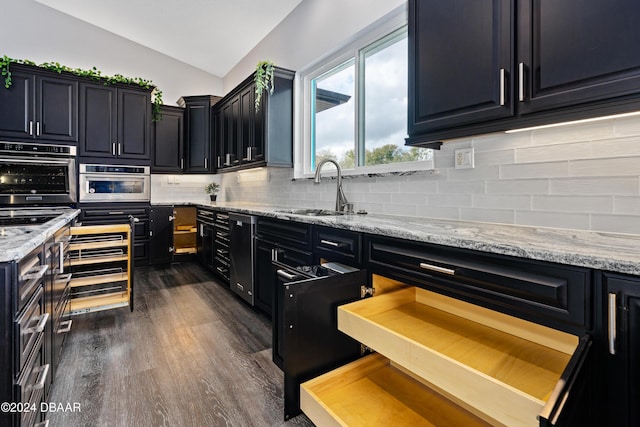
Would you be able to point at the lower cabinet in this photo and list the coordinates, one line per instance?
(442, 361)
(623, 334)
(172, 233)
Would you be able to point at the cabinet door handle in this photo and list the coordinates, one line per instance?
(219, 161)
(611, 324)
(113, 149)
(119, 148)
(37, 128)
(182, 163)
(521, 81)
(31, 127)
(437, 268)
(61, 257)
(206, 163)
(502, 88)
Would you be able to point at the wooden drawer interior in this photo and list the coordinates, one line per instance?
(371, 391)
(502, 367)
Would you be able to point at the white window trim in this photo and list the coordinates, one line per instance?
(302, 103)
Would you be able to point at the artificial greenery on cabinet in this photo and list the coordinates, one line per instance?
(93, 74)
(263, 79)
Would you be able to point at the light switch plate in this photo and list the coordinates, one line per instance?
(464, 158)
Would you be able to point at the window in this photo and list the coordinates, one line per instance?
(355, 106)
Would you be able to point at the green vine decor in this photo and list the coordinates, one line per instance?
(263, 79)
(93, 74)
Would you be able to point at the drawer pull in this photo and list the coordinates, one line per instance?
(116, 213)
(43, 372)
(44, 423)
(30, 275)
(437, 268)
(286, 275)
(612, 324)
(330, 243)
(65, 327)
(39, 327)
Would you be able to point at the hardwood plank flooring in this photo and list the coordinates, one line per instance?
(190, 354)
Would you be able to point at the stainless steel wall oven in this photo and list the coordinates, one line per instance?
(37, 174)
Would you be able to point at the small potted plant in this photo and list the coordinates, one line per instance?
(212, 189)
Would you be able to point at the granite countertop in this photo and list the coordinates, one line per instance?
(16, 241)
(614, 252)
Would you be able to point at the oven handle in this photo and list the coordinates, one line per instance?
(39, 161)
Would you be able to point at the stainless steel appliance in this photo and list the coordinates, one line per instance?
(114, 183)
(37, 174)
(242, 255)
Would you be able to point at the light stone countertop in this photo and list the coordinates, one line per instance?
(613, 252)
(18, 241)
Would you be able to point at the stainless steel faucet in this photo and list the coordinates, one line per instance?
(341, 200)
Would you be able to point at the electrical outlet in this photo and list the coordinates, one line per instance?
(464, 158)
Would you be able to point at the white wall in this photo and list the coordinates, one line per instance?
(30, 30)
(314, 28)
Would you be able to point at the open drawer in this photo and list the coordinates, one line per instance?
(505, 370)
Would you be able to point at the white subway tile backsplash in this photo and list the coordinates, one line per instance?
(535, 170)
(605, 167)
(515, 201)
(552, 153)
(581, 204)
(579, 176)
(553, 219)
(622, 186)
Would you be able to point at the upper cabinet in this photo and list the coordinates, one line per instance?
(477, 67)
(245, 137)
(40, 105)
(168, 141)
(197, 151)
(115, 122)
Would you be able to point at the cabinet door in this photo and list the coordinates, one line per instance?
(17, 106)
(577, 51)
(168, 146)
(460, 55)
(230, 132)
(161, 234)
(198, 141)
(98, 107)
(265, 279)
(134, 121)
(57, 109)
(310, 339)
(623, 365)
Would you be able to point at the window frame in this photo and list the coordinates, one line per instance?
(354, 48)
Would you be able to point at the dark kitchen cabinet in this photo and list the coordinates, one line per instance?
(336, 245)
(623, 364)
(246, 137)
(287, 242)
(161, 234)
(205, 238)
(115, 122)
(168, 155)
(39, 105)
(198, 123)
(460, 59)
(478, 67)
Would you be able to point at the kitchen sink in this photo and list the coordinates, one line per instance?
(310, 212)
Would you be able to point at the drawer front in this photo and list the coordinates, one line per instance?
(287, 233)
(31, 272)
(337, 245)
(205, 215)
(552, 294)
(30, 385)
(29, 327)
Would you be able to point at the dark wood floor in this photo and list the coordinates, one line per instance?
(190, 354)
